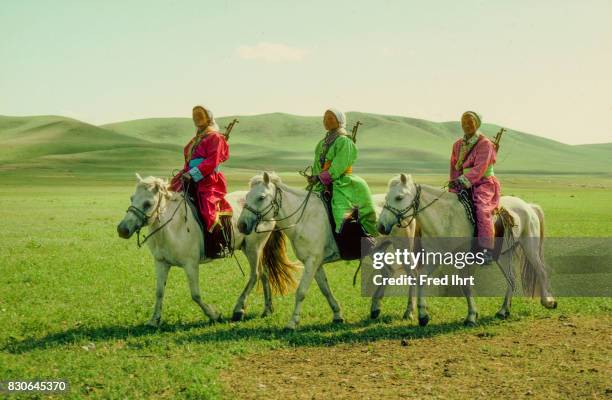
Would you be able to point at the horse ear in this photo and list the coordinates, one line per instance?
(404, 179)
(266, 178)
(138, 177)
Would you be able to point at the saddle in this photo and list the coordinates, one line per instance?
(351, 233)
(220, 242)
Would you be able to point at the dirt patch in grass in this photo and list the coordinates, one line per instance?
(560, 357)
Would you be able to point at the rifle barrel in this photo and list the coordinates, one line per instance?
(229, 127)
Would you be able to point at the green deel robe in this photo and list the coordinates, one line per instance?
(348, 190)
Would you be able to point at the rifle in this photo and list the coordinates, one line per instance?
(228, 128)
(354, 131)
(498, 138)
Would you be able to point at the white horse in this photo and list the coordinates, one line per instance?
(439, 214)
(306, 223)
(177, 241)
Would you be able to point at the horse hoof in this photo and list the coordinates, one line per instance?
(153, 323)
(407, 316)
(503, 315)
(549, 302)
(290, 328)
(469, 323)
(237, 316)
(266, 314)
(338, 320)
(423, 321)
(374, 314)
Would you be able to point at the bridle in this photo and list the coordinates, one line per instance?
(144, 218)
(414, 206)
(275, 206)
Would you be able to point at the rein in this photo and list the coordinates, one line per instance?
(275, 206)
(415, 207)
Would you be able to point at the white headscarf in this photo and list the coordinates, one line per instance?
(211, 119)
(339, 116)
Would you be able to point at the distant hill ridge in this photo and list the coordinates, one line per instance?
(276, 141)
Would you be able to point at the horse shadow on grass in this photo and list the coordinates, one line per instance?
(326, 334)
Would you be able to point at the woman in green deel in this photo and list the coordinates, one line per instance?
(334, 158)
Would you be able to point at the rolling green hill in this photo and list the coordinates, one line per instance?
(386, 143)
(50, 145)
(281, 142)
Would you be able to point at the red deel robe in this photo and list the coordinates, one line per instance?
(203, 156)
(485, 189)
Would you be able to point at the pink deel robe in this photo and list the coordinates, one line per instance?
(485, 190)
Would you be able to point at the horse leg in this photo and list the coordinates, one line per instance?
(421, 302)
(161, 271)
(239, 308)
(378, 295)
(411, 306)
(505, 261)
(535, 262)
(376, 300)
(310, 268)
(321, 279)
(267, 291)
(193, 278)
(472, 316)
(504, 311)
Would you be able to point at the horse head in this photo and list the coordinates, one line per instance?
(399, 198)
(261, 202)
(145, 205)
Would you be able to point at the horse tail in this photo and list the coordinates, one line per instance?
(278, 267)
(540, 213)
(529, 274)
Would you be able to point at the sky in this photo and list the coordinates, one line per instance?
(539, 66)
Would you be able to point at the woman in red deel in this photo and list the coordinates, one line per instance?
(203, 156)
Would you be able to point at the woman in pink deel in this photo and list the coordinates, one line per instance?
(471, 166)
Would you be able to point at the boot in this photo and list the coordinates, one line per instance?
(215, 243)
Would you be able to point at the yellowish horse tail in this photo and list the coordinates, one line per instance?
(280, 269)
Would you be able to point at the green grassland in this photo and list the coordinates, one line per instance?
(74, 297)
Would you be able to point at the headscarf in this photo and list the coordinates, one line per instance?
(468, 144)
(339, 116)
(474, 115)
(198, 116)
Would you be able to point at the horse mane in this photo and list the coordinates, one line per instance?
(151, 183)
(397, 180)
(275, 179)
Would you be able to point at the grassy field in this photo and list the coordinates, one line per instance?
(74, 298)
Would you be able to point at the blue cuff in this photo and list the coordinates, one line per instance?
(195, 162)
(196, 174)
